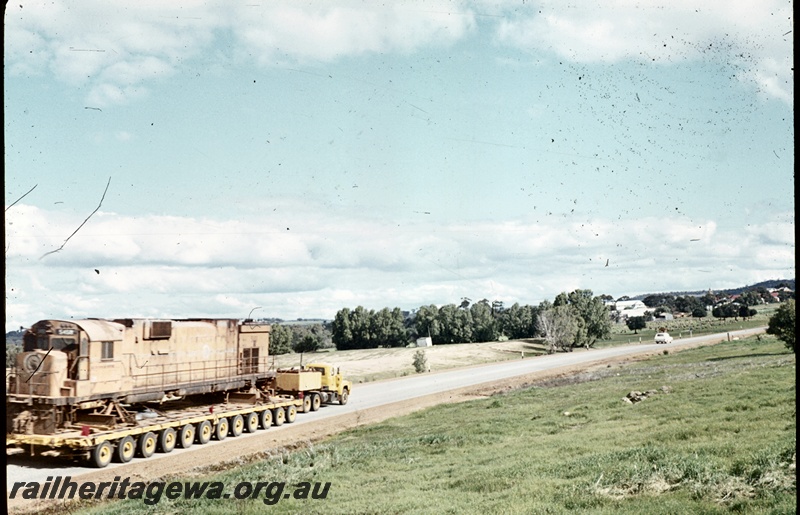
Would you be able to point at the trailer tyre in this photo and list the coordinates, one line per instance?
(167, 439)
(291, 413)
(343, 398)
(278, 416)
(316, 401)
(126, 448)
(221, 431)
(204, 432)
(102, 454)
(147, 445)
(265, 418)
(237, 425)
(186, 436)
(251, 422)
(306, 403)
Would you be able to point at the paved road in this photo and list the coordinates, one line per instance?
(371, 395)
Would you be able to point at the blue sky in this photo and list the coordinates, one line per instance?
(301, 157)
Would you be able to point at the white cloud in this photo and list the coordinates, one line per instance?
(119, 266)
(746, 36)
(118, 48)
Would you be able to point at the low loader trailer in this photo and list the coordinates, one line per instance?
(146, 431)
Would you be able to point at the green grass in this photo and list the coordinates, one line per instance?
(723, 439)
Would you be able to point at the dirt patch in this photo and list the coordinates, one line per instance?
(365, 365)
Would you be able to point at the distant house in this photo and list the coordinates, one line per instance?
(629, 308)
(425, 342)
(665, 316)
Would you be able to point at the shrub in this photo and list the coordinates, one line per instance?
(782, 323)
(420, 361)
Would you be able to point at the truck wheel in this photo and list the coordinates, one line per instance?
(251, 422)
(204, 432)
(221, 431)
(306, 404)
(344, 397)
(102, 454)
(186, 436)
(315, 401)
(126, 448)
(291, 413)
(147, 445)
(278, 416)
(265, 418)
(237, 425)
(167, 440)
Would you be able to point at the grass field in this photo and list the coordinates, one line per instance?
(719, 437)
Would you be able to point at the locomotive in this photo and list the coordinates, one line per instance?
(76, 371)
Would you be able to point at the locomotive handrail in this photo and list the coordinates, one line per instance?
(164, 375)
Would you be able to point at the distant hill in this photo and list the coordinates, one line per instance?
(774, 283)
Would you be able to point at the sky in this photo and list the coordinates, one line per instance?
(289, 159)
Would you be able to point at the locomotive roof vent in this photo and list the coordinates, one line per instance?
(158, 329)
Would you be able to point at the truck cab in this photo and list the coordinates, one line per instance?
(332, 380)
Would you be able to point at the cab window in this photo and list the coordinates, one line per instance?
(108, 351)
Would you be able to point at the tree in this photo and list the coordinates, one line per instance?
(484, 324)
(594, 321)
(660, 299)
(724, 311)
(280, 341)
(688, 303)
(747, 312)
(520, 321)
(307, 344)
(456, 324)
(782, 324)
(751, 298)
(559, 325)
(342, 335)
(636, 323)
(426, 322)
(699, 312)
(388, 328)
(360, 325)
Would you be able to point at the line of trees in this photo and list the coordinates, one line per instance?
(571, 320)
(287, 338)
(366, 329)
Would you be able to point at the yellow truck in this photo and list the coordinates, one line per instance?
(315, 384)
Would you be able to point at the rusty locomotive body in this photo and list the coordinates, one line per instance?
(71, 371)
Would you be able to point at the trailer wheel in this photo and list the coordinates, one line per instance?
(102, 454)
(237, 425)
(126, 448)
(251, 422)
(278, 416)
(316, 401)
(167, 440)
(344, 397)
(221, 431)
(147, 445)
(186, 436)
(265, 419)
(306, 403)
(291, 413)
(204, 432)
